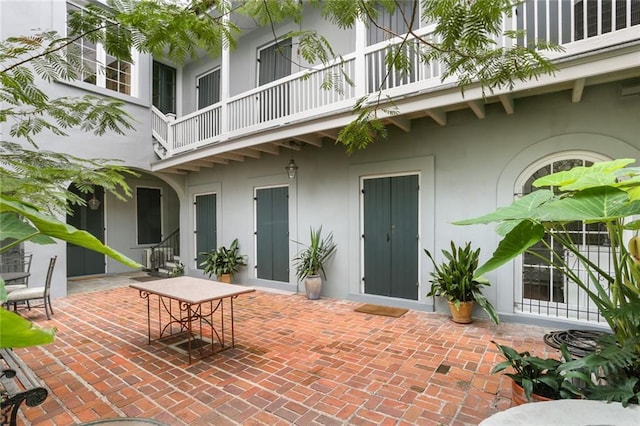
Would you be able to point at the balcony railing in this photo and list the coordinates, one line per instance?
(301, 96)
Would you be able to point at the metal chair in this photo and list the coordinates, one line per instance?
(25, 295)
(21, 263)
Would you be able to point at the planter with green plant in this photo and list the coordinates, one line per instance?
(223, 262)
(608, 194)
(537, 379)
(456, 280)
(310, 262)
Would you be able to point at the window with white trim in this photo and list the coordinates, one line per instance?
(544, 290)
(100, 68)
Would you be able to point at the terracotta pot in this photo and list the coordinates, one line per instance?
(225, 278)
(518, 397)
(462, 315)
(313, 286)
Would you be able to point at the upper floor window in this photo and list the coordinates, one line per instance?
(164, 87)
(99, 67)
(274, 61)
(407, 11)
(208, 86)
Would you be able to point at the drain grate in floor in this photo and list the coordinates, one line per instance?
(195, 344)
(579, 342)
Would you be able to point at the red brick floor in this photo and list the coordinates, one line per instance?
(296, 361)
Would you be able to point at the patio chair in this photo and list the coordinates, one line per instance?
(21, 263)
(25, 295)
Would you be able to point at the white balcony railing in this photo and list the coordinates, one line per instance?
(301, 96)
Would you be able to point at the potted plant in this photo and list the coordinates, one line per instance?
(455, 279)
(309, 263)
(605, 193)
(223, 262)
(536, 379)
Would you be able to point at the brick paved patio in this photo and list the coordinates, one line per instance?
(296, 361)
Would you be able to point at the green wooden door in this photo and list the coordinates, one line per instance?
(81, 261)
(391, 236)
(272, 233)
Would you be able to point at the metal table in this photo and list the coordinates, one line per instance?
(186, 301)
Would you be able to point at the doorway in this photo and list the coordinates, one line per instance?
(390, 236)
(82, 261)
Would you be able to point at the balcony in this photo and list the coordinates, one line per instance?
(600, 44)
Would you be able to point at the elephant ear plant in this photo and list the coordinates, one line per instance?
(606, 193)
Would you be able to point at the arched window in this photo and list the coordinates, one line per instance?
(542, 289)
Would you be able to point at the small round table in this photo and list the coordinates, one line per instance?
(567, 412)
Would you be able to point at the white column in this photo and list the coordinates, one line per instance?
(360, 65)
(225, 72)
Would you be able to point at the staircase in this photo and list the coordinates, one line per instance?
(163, 259)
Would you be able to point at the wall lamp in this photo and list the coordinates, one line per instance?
(93, 203)
(292, 167)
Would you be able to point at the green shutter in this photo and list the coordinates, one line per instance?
(209, 89)
(206, 227)
(404, 237)
(149, 215)
(377, 237)
(272, 227)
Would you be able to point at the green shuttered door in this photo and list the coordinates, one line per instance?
(272, 233)
(391, 236)
(206, 229)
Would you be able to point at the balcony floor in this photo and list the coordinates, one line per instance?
(296, 361)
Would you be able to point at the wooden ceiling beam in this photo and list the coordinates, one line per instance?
(331, 134)
(401, 122)
(310, 139)
(269, 148)
(478, 108)
(439, 116)
(248, 152)
(231, 156)
(507, 103)
(577, 90)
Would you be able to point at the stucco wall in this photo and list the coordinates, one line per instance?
(467, 168)
(132, 149)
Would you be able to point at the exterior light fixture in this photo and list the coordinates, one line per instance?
(94, 203)
(292, 169)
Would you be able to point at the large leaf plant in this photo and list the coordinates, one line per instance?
(606, 193)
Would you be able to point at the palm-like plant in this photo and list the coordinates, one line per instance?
(311, 260)
(455, 279)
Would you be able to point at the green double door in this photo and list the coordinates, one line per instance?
(391, 236)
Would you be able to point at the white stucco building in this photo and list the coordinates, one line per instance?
(216, 171)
